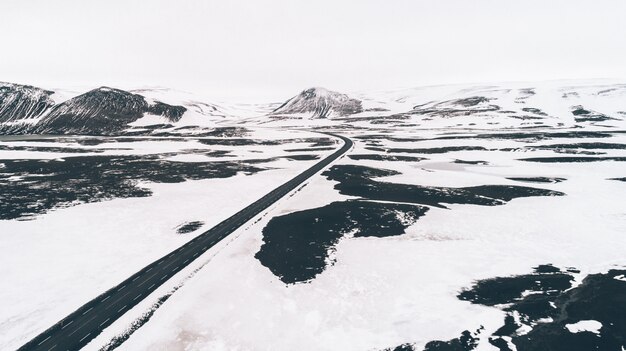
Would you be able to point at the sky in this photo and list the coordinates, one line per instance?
(272, 49)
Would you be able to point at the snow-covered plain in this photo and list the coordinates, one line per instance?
(69, 255)
(383, 292)
(376, 292)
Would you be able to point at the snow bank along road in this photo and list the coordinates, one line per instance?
(84, 324)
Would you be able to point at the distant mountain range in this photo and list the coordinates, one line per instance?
(26, 109)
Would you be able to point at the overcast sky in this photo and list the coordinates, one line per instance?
(276, 48)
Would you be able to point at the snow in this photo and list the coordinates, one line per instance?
(76, 253)
(368, 300)
(621, 278)
(380, 292)
(149, 119)
(585, 326)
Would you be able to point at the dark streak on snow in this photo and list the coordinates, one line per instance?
(537, 179)
(189, 227)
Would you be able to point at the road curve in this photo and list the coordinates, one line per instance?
(81, 326)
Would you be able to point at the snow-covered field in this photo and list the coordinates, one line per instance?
(54, 262)
(509, 178)
(383, 292)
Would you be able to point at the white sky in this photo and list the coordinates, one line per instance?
(274, 49)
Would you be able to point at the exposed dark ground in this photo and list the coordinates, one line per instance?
(31, 187)
(537, 179)
(573, 159)
(189, 227)
(385, 157)
(297, 245)
(600, 297)
(518, 136)
(357, 181)
(546, 302)
(433, 150)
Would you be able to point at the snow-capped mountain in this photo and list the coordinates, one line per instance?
(32, 110)
(103, 111)
(319, 103)
(23, 102)
(26, 109)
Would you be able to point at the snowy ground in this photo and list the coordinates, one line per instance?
(383, 292)
(69, 255)
(374, 293)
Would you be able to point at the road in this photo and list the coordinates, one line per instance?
(81, 326)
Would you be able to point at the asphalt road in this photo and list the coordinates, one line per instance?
(81, 326)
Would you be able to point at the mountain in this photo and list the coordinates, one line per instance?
(19, 102)
(26, 109)
(103, 111)
(319, 103)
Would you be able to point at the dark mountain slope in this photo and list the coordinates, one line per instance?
(319, 103)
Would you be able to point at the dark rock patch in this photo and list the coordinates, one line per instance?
(583, 115)
(601, 297)
(537, 179)
(535, 111)
(526, 118)
(312, 149)
(517, 136)
(471, 101)
(530, 136)
(173, 113)
(403, 347)
(302, 157)
(323, 142)
(226, 132)
(305, 157)
(524, 94)
(585, 146)
(573, 159)
(623, 179)
(385, 157)
(157, 126)
(297, 245)
(91, 141)
(509, 290)
(546, 303)
(31, 187)
(466, 162)
(433, 150)
(356, 181)
(466, 342)
(189, 227)
(30, 148)
(237, 141)
(213, 153)
(457, 107)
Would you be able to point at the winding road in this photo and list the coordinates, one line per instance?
(83, 325)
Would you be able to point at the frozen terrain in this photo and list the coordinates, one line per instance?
(93, 210)
(464, 218)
